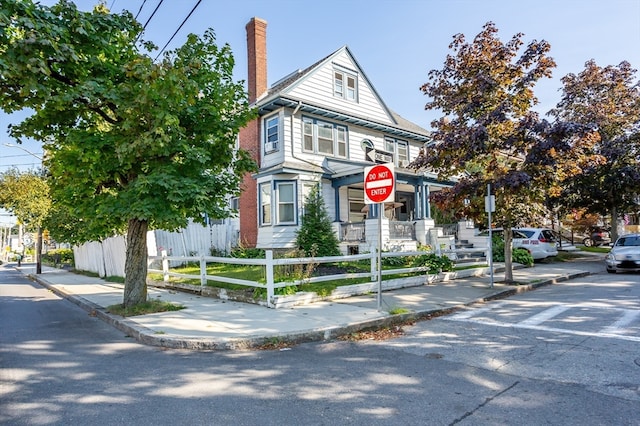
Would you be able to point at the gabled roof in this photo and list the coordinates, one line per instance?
(276, 97)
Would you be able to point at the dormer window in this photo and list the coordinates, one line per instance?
(345, 85)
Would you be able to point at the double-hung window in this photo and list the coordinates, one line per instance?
(345, 85)
(265, 203)
(285, 193)
(278, 203)
(400, 150)
(271, 133)
(324, 138)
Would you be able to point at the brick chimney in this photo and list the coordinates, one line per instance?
(257, 57)
(250, 135)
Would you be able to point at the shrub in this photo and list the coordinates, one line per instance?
(396, 261)
(522, 256)
(315, 236)
(435, 263)
(242, 252)
(498, 247)
(518, 254)
(216, 252)
(58, 256)
(297, 272)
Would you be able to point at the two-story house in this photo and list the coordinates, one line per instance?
(323, 125)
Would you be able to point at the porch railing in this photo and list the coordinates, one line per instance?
(402, 230)
(353, 231)
(449, 229)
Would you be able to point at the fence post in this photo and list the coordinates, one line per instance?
(270, 287)
(165, 266)
(374, 266)
(203, 271)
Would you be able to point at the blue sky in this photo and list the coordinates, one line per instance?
(396, 42)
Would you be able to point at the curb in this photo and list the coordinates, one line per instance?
(148, 337)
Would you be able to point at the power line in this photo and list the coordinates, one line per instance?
(139, 10)
(20, 155)
(144, 27)
(23, 164)
(176, 32)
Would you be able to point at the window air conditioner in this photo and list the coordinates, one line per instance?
(270, 147)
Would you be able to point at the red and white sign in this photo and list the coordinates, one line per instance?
(379, 184)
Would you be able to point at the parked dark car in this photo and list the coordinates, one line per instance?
(599, 236)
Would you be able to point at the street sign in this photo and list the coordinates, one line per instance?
(379, 184)
(378, 156)
(490, 204)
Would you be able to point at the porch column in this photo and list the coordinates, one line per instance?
(417, 207)
(427, 204)
(336, 198)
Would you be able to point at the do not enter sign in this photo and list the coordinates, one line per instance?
(379, 184)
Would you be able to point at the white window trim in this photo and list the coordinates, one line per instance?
(334, 134)
(293, 202)
(261, 203)
(395, 143)
(272, 146)
(343, 93)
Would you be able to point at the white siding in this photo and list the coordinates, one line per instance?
(284, 140)
(317, 88)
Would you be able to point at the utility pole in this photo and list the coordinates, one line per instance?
(39, 235)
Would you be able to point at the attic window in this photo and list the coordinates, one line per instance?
(345, 86)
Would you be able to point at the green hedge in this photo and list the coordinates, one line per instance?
(58, 256)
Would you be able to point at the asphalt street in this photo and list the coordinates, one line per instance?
(60, 365)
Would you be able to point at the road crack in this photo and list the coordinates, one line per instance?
(486, 401)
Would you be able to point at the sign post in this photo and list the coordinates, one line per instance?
(379, 188)
(490, 207)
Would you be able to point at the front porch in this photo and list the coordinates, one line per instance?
(396, 235)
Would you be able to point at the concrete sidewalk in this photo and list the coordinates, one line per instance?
(208, 323)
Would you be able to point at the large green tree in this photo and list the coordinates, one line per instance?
(131, 144)
(488, 133)
(25, 195)
(607, 98)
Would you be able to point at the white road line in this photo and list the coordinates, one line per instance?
(463, 316)
(614, 331)
(551, 329)
(627, 318)
(543, 316)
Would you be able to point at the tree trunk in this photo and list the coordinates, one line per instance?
(614, 223)
(508, 261)
(39, 251)
(135, 269)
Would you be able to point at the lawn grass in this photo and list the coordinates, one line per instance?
(148, 307)
(596, 249)
(257, 273)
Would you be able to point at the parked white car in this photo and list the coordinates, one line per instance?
(624, 255)
(539, 242)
